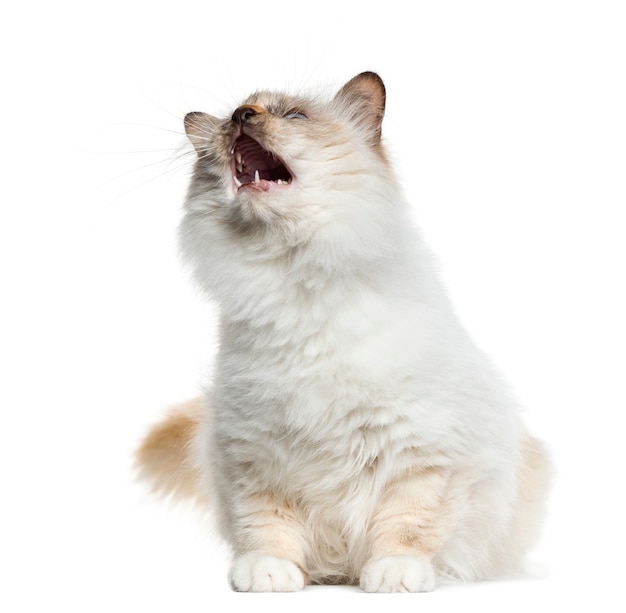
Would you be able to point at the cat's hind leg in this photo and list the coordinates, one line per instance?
(533, 478)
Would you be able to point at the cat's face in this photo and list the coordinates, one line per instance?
(281, 161)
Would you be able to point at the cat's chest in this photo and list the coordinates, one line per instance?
(329, 353)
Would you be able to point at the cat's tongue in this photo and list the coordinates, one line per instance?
(254, 180)
(261, 184)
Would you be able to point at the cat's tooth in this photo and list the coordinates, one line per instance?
(257, 176)
(239, 162)
(237, 182)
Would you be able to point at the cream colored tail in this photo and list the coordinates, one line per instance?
(166, 459)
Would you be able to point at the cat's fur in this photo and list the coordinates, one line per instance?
(353, 432)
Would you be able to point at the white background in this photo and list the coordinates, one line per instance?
(507, 124)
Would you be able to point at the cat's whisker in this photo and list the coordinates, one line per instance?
(171, 166)
(170, 150)
(143, 183)
(124, 124)
(163, 161)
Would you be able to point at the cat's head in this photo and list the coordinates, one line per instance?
(282, 171)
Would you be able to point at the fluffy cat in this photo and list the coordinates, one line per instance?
(353, 433)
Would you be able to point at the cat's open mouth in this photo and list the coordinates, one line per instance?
(253, 166)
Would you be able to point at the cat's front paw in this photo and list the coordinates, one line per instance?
(398, 574)
(258, 572)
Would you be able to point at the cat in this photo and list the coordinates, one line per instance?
(353, 432)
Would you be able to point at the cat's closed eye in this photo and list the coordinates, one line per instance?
(295, 115)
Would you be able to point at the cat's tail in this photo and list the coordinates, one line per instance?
(169, 457)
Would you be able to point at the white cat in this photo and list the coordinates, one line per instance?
(353, 433)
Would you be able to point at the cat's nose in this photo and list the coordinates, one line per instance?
(243, 113)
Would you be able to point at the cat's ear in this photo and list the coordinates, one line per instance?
(364, 97)
(199, 128)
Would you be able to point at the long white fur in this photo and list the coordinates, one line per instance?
(342, 369)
